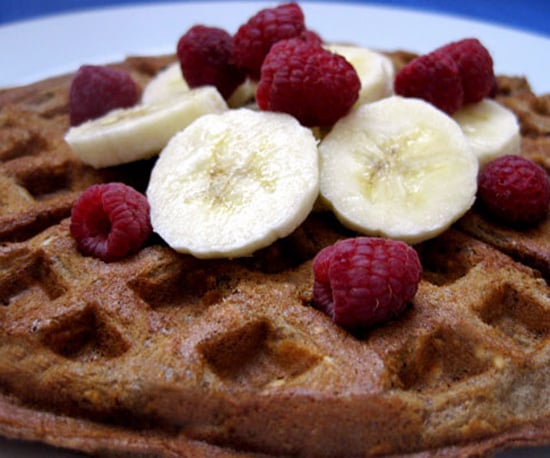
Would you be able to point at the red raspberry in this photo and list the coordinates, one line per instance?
(205, 56)
(110, 221)
(254, 39)
(475, 65)
(432, 77)
(363, 281)
(96, 90)
(314, 85)
(312, 37)
(514, 190)
(449, 77)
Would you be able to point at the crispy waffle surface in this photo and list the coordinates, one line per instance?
(165, 355)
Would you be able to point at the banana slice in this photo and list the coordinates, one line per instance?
(234, 182)
(166, 85)
(139, 132)
(244, 95)
(398, 168)
(375, 71)
(492, 129)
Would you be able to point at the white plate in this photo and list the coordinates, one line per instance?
(44, 47)
(56, 44)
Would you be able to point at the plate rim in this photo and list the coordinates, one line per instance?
(21, 71)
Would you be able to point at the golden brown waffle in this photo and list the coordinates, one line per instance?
(165, 355)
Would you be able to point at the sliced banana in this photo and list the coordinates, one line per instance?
(398, 168)
(492, 129)
(244, 95)
(139, 132)
(234, 182)
(166, 85)
(375, 71)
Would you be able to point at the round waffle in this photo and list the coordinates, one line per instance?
(162, 354)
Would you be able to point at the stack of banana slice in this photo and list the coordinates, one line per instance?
(229, 181)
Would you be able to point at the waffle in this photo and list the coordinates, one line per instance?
(165, 355)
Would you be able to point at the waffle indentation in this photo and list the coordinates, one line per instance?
(442, 359)
(178, 283)
(253, 354)
(40, 182)
(517, 315)
(27, 274)
(83, 335)
(444, 263)
(18, 142)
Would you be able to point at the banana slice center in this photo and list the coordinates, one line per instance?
(408, 155)
(232, 178)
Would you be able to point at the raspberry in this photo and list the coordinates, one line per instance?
(96, 90)
(254, 39)
(205, 56)
(475, 66)
(432, 77)
(314, 85)
(312, 37)
(514, 190)
(364, 281)
(110, 221)
(449, 77)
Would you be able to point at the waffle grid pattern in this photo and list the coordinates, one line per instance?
(166, 355)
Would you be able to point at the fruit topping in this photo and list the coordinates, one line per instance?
(95, 90)
(254, 39)
(398, 168)
(110, 221)
(312, 37)
(141, 131)
(364, 281)
(375, 71)
(313, 84)
(449, 77)
(232, 183)
(514, 190)
(491, 129)
(475, 66)
(434, 78)
(205, 56)
(165, 85)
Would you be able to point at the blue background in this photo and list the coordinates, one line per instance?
(528, 15)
